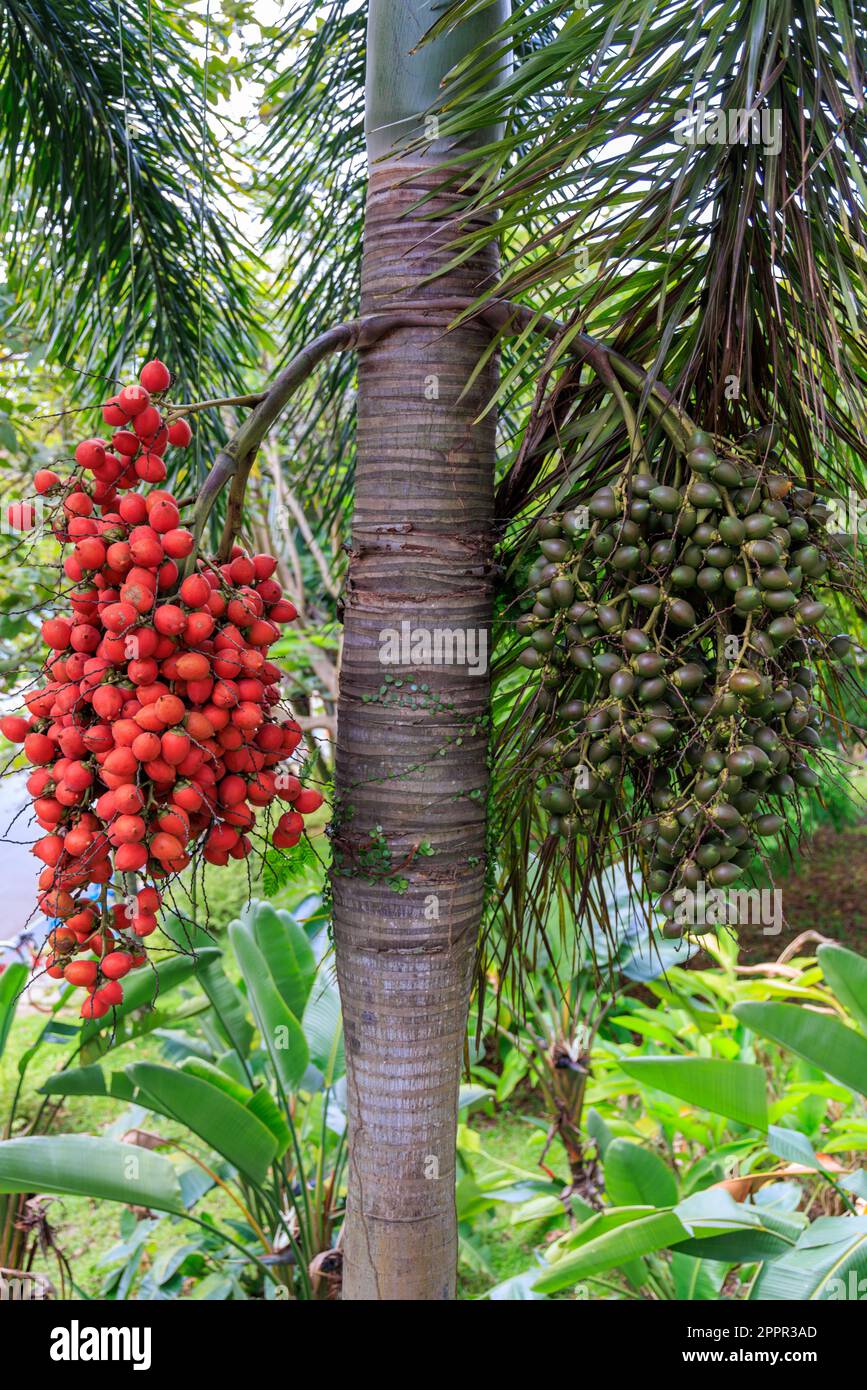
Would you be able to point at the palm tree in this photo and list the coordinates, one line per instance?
(540, 184)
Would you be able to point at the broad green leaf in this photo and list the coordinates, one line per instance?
(12, 982)
(793, 1146)
(323, 1029)
(599, 1131)
(828, 1263)
(84, 1166)
(635, 1176)
(229, 1005)
(733, 1089)
(89, 1081)
(846, 973)
(720, 1228)
(825, 1042)
(279, 1029)
(614, 1248)
(696, 1279)
(288, 952)
(215, 1117)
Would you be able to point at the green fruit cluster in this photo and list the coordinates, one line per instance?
(674, 635)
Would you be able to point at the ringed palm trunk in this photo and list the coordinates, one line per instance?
(411, 773)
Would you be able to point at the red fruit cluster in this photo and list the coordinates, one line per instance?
(154, 737)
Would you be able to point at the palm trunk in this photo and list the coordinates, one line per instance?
(411, 774)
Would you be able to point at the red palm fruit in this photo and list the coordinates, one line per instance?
(269, 591)
(150, 468)
(199, 627)
(94, 1007)
(44, 480)
(175, 821)
(188, 797)
(149, 720)
(217, 718)
(262, 633)
(148, 899)
(241, 848)
(120, 761)
(225, 694)
(291, 823)
(56, 632)
(119, 557)
(163, 515)
(126, 444)
(175, 747)
(166, 848)
(107, 473)
(104, 805)
(143, 671)
(199, 692)
(81, 972)
(48, 811)
(112, 413)
(291, 736)
(81, 526)
(282, 612)
(147, 642)
(160, 771)
(145, 546)
(14, 727)
(242, 570)
(127, 829)
(155, 376)
(38, 748)
(288, 787)
(232, 791)
(178, 544)
(216, 604)
(79, 840)
(269, 738)
(170, 620)
(49, 849)
(98, 738)
(133, 400)
(261, 789)
(180, 434)
(243, 816)
(107, 701)
(170, 709)
(252, 661)
(194, 591)
(263, 566)
(78, 776)
(146, 746)
(117, 617)
(130, 857)
(84, 638)
(133, 509)
(167, 577)
(221, 837)
(72, 569)
(90, 453)
(116, 964)
(308, 801)
(90, 553)
(282, 840)
(147, 423)
(198, 726)
(109, 994)
(251, 689)
(247, 715)
(231, 738)
(128, 799)
(144, 924)
(193, 666)
(82, 923)
(67, 796)
(140, 595)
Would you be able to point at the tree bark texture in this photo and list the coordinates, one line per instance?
(411, 776)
